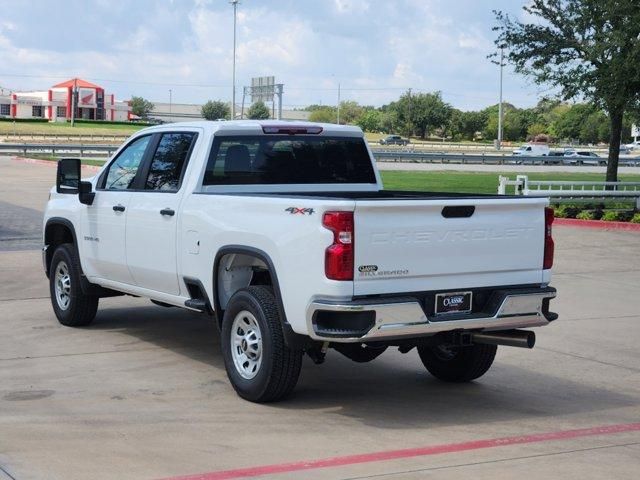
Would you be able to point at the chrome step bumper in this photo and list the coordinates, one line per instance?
(405, 317)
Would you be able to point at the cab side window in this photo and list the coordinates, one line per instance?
(169, 161)
(124, 168)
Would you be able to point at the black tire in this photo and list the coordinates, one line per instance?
(457, 364)
(72, 307)
(277, 373)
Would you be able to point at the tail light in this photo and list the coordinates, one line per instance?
(548, 239)
(338, 258)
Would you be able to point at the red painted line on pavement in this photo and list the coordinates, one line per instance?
(597, 224)
(410, 452)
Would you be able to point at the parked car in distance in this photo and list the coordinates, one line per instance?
(532, 150)
(629, 162)
(635, 145)
(575, 157)
(555, 157)
(625, 149)
(394, 140)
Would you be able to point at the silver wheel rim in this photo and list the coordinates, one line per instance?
(246, 344)
(62, 282)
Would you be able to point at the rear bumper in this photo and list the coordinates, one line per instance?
(380, 319)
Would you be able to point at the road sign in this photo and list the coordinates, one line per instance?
(635, 131)
(262, 89)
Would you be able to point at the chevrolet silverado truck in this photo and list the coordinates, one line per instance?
(283, 234)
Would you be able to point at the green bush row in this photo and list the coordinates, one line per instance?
(99, 123)
(24, 120)
(596, 213)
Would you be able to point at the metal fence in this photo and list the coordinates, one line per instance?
(402, 156)
(381, 155)
(65, 137)
(59, 150)
(564, 191)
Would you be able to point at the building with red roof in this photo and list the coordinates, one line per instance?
(56, 103)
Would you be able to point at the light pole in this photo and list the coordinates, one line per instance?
(233, 96)
(338, 109)
(170, 104)
(74, 101)
(499, 146)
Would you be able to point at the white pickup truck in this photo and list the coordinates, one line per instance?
(283, 233)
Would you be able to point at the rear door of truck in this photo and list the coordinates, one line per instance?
(444, 244)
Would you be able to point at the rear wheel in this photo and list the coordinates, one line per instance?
(260, 366)
(452, 363)
(72, 307)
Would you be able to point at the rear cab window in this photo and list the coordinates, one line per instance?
(288, 159)
(169, 161)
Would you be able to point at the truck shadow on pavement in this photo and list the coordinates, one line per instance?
(189, 333)
(392, 392)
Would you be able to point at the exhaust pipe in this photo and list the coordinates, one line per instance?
(510, 338)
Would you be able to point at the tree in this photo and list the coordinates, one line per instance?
(370, 120)
(471, 123)
(567, 125)
(214, 110)
(141, 107)
(258, 111)
(323, 115)
(586, 48)
(388, 120)
(422, 113)
(350, 111)
(490, 130)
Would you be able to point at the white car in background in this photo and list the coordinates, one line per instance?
(532, 150)
(575, 157)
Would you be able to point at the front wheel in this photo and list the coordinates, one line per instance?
(72, 307)
(259, 364)
(451, 363)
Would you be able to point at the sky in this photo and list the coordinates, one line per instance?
(373, 49)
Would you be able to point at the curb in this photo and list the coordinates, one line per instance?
(51, 163)
(597, 224)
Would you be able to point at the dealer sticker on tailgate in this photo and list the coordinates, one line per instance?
(455, 302)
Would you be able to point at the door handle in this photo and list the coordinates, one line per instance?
(118, 208)
(168, 212)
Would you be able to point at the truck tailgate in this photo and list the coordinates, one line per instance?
(445, 244)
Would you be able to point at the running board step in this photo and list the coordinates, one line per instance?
(196, 304)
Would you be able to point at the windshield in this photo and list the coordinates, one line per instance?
(288, 159)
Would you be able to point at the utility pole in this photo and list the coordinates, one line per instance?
(499, 145)
(279, 90)
(170, 102)
(410, 117)
(338, 121)
(74, 101)
(233, 97)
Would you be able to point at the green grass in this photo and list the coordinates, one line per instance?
(60, 128)
(476, 182)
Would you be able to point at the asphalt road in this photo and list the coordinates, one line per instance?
(142, 393)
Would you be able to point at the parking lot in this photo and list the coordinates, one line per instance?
(142, 393)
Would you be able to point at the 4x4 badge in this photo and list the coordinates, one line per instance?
(299, 211)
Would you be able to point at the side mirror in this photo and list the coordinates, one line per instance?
(68, 176)
(85, 194)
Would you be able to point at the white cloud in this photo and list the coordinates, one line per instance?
(373, 49)
(351, 6)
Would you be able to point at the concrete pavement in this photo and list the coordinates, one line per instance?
(142, 393)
